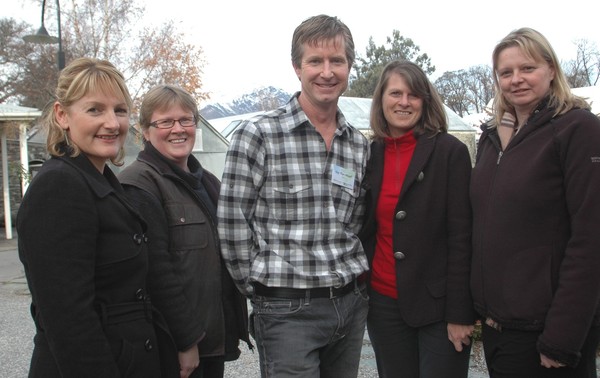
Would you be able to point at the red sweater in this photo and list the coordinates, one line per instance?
(398, 153)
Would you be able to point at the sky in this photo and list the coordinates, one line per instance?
(247, 43)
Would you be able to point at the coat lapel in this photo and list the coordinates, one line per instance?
(423, 150)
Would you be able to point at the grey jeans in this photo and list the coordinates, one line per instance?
(310, 337)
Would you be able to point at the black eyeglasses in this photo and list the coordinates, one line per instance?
(168, 123)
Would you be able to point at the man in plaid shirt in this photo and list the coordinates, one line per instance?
(290, 208)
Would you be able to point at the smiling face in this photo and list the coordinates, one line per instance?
(402, 109)
(176, 143)
(324, 72)
(96, 123)
(523, 80)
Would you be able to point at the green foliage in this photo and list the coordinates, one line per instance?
(368, 69)
(17, 169)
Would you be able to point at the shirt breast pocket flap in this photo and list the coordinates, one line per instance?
(291, 202)
(188, 226)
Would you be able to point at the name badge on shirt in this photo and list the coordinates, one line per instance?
(343, 176)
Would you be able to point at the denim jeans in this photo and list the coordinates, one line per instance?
(310, 337)
(402, 351)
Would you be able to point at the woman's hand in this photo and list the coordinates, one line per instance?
(550, 363)
(188, 361)
(460, 334)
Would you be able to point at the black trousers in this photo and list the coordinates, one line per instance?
(210, 367)
(513, 354)
(402, 351)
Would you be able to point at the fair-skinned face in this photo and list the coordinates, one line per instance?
(402, 109)
(176, 143)
(524, 82)
(324, 72)
(97, 124)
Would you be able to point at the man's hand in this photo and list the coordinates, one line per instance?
(460, 334)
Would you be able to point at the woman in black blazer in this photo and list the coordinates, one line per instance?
(83, 247)
(417, 231)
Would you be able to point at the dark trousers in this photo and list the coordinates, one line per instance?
(210, 367)
(402, 351)
(513, 354)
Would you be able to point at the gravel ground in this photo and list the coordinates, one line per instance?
(16, 330)
(247, 364)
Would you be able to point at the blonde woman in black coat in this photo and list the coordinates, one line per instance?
(82, 246)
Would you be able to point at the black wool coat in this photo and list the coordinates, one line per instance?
(84, 253)
(431, 230)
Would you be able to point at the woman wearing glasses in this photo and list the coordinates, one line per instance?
(188, 282)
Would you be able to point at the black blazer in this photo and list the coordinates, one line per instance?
(431, 230)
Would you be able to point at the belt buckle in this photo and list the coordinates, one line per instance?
(331, 293)
(494, 324)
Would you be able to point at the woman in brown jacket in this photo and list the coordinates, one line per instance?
(188, 282)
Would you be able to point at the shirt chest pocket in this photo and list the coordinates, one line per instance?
(189, 227)
(291, 202)
(344, 200)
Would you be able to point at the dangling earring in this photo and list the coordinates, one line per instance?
(67, 138)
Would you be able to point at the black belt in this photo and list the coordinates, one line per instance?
(288, 292)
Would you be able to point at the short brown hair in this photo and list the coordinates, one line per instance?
(162, 97)
(320, 28)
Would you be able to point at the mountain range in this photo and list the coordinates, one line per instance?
(261, 99)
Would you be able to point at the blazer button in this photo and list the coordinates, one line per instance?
(139, 294)
(148, 345)
(137, 239)
(399, 255)
(421, 176)
(400, 215)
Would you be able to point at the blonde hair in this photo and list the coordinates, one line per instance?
(80, 77)
(534, 45)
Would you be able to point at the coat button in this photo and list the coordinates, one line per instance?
(400, 215)
(139, 294)
(182, 220)
(148, 345)
(421, 176)
(137, 239)
(399, 255)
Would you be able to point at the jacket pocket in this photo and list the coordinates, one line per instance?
(188, 227)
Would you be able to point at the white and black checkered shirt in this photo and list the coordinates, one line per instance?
(282, 221)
